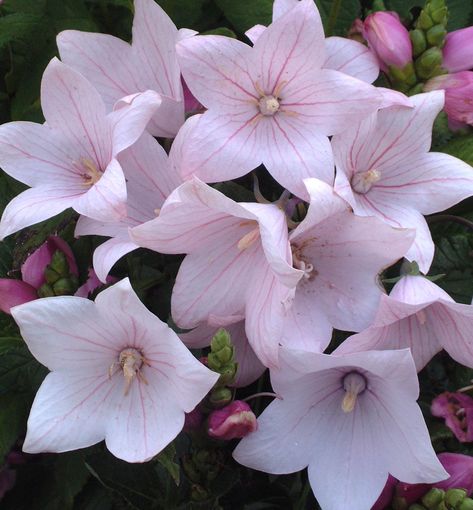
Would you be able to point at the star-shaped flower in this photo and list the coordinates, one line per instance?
(71, 160)
(117, 373)
(271, 103)
(351, 419)
(385, 169)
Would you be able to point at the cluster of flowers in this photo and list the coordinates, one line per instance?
(280, 288)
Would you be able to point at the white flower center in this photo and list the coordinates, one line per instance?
(130, 361)
(362, 182)
(353, 384)
(300, 263)
(268, 105)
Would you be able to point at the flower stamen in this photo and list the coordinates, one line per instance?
(362, 182)
(354, 384)
(130, 361)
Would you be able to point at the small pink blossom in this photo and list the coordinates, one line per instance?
(457, 410)
(233, 421)
(117, 373)
(272, 103)
(70, 161)
(92, 284)
(353, 420)
(118, 69)
(458, 50)
(388, 38)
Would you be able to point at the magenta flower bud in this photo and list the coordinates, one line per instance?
(15, 292)
(233, 421)
(457, 410)
(193, 420)
(458, 50)
(388, 38)
(386, 496)
(32, 270)
(92, 284)
(460, 469)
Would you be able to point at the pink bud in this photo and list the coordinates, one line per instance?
(457, 410)
(193, 420)
(32, 270)
(388, 38)
(15, 292)
(458, 50)
(191, 104)
(235, 420)
(460, 469)
(458, 93)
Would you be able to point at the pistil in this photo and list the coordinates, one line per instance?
(354, 384)
(362, 182)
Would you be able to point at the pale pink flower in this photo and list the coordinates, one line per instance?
(388, 38)
(340, 255)
(351, 419)
(384, 169)
(238, 257)
(70, 161)
(233, 421)
(458, 50)
(117, 373)
(17, 292)
(118, 69)
(458, 93)
(420, 315)
(271, 103)
(341, 54)
(249, 367)
(150, 178)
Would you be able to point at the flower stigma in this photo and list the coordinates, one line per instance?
(354, 384)
(268, 105)
(250, 237)
(92, 174)
(130, 361)
(362, 182)
(299, 263)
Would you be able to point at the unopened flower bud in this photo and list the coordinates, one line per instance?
(198, 493)
(433, 498)
(466, 504)
(193, 420)
(454, 497)
(436, 36)
(220, 340)
(388, 39)
(46, 290)
(64, 287)
(220, 397)
(228, 374)
(460, 469)
(51, 276)
(59, 263)
(418, 40)
(424, 21)
(458, 50)
(233, 421)
(428, 63)
(416, 506)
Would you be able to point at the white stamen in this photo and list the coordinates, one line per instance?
(268, 105)
(362, 182)
(353, 384)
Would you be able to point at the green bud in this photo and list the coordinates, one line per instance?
(433, 498)
(440, 15)
(50, 275)
(399, 503)
(220, 340)
(428, 62)
(198, 493)
(59, 263)
(424, 21)
(45, 291)
(416, 506)
(416, 89)
(64, 287)
(220, 397)
(225, 354)
(466, 504)
(418, 40)
(378, 5)
(227, 374)
(436, 36)
(453, 497)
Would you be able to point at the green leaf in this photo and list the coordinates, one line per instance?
(167, 459)
(243, 14)
(17, 26)
(184, 13)
(461, 147)
(338, 15)
(13, 412)
(454, 257)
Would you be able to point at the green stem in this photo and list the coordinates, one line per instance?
(449, 217)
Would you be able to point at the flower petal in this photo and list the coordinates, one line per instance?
(15, 292)
(352, 58)
(108, 253)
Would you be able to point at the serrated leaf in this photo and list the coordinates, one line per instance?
(337, 17)
(244, 14)
(461, 147)
(13, 412)
(454, 257)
